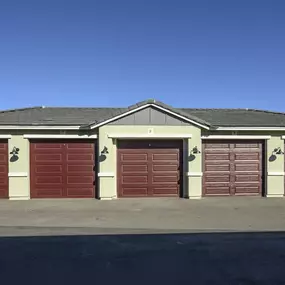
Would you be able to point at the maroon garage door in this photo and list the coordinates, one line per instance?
(149, 168)
(62, 169)
(3, 169)
(232, 168)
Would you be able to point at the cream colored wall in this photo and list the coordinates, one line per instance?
(275, 168)
(19, 177)
(108, 167)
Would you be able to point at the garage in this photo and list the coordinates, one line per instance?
(4, 192)
(149, 168)
(62, 169)
(232, 168)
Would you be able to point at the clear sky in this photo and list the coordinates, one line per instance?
(192, 53)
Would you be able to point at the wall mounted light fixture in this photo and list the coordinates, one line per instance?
(277, 150)
(105, 150)
(195, 150)
(15, 151)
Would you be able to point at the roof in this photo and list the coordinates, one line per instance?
(85, 117)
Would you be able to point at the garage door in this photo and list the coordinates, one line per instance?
(149, 168)
(3, 169)
(62, 169)
(232, 168)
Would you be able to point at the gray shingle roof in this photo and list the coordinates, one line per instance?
(85, 116)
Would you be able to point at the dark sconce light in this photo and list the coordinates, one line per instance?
(195, 150)
(15, 151)
(277, 150)
(105, 150)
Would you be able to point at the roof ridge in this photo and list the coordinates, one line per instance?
(267, 111)
(22, 109)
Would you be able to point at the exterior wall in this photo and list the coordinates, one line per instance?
(108, 163)
(275, 168)
(19, 173)
(150, 116)
(19, 177)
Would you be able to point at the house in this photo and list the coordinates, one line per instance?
(149, 149)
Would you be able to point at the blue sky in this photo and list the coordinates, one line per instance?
(205, 53)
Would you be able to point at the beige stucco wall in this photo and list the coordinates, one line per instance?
(275, 168)
(19, 182)
(108, 166)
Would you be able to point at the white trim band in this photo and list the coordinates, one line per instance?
(149, 136)
(275, 173)
(60, 137)
(106, 174)
(250, 129)
(283, 137)
(194, 174)
(5, 136)
(236, 137)
(18, 174)
(13, 127)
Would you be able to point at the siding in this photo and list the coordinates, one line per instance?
(150, 116)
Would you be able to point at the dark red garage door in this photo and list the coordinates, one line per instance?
(3, 169)
(62, 169)
(149, 168)
(232, 167)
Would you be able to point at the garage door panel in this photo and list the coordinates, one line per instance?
(216, 167)
(222, 146)
(217, 156)
(134, 179)
(58, 166)
(3, 169)
(168, 191)
(49, 157)
(80, 179)
(247, 177)
(134, 191)
(247, 156)
(3, 159)
(165, 168)
(42, 146)
(134, 168)
(49, 179)
(217, 189)
(80, 192)
(164, 157)
(216, 177)
(48, 169)
(81, 147)
(3, 180)
(247, 189)
(79, 157)
(161, 179)
(133, 157)
(51, 192)
(75, 168)
(243, 165)
(246, 146)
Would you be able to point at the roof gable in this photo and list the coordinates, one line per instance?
(154, 104)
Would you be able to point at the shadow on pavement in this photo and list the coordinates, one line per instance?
(200, 258)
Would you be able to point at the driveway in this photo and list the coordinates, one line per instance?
(147, 241)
